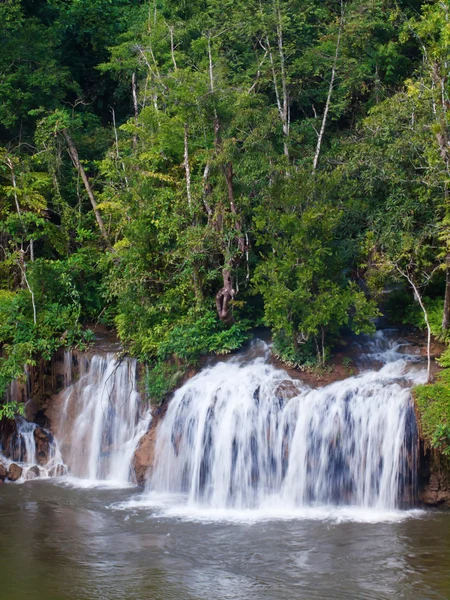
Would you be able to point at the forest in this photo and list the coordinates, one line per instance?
(186, 171)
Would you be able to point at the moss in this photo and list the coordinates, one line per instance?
(433, 409)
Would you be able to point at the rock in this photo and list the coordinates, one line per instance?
(144, 456)
(14, 472)
(32, 473)
(3, 472)
(437, 491)
(58, 470)
(287, 390)
(44, 442)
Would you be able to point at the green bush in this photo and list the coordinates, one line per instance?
(433, 406)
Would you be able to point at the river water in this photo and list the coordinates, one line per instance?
(262, 489)
(58, 542)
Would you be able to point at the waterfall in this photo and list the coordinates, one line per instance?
(102, 420)
(242, 434)
(22, 446)
(33, 449)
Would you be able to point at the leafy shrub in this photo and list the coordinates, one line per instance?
(433, 405)
(201, 333)
(161, 379)
(303, 357)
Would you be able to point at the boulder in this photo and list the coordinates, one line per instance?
(44, 443)
(287, 390)
(58, 470)
(32, 473)
(14, 472)
(3, 472)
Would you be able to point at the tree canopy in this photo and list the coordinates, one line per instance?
(185, 171)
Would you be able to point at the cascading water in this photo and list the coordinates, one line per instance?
(31, 449)
(244, 435)
(102, 420)
(22, 444)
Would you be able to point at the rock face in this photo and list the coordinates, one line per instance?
(44, 443)
(437, 491)
(14, 472)
(434, 477)
(144, 456)
(3, 472)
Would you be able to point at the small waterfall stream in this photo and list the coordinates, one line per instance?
(102, 420)
(23, 444)
(243, 435)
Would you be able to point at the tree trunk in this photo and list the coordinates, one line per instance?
(228, 169)
(425, 315)
(223, 297)
(23, 270)
(10, 164)
(330, 92)
(172, 47)
(187, 167)
(446, 314)
(136, 107)
(76, 161)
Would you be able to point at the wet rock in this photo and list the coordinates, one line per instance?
(3, 472)
(14, 472)
(144, 456)
(14, 450)
(287, 390)
(437, 491)
(44, 442)
(58, 470)
(32, 473)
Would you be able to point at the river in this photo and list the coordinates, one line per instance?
(60, 542)
(262, 489)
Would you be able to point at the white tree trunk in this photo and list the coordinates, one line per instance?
(330, 92)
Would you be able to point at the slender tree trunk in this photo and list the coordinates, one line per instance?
(446, 313)
(228, 169)
(76, 161)
(172, 47)
(285, 106)
(425, 315)
(116, 137)
(187, 167)
(10, 164)
(136, 107)
(23, 270)
(330, 92)
(207, 191)
(323, 346)
(282, 103)
(211, 73)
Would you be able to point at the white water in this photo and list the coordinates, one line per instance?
(22, 451)
(102, 421)
(231, 439)
(23, 445)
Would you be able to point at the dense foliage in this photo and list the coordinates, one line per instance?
(185, 171)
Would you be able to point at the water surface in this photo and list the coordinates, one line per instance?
(59, 542)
